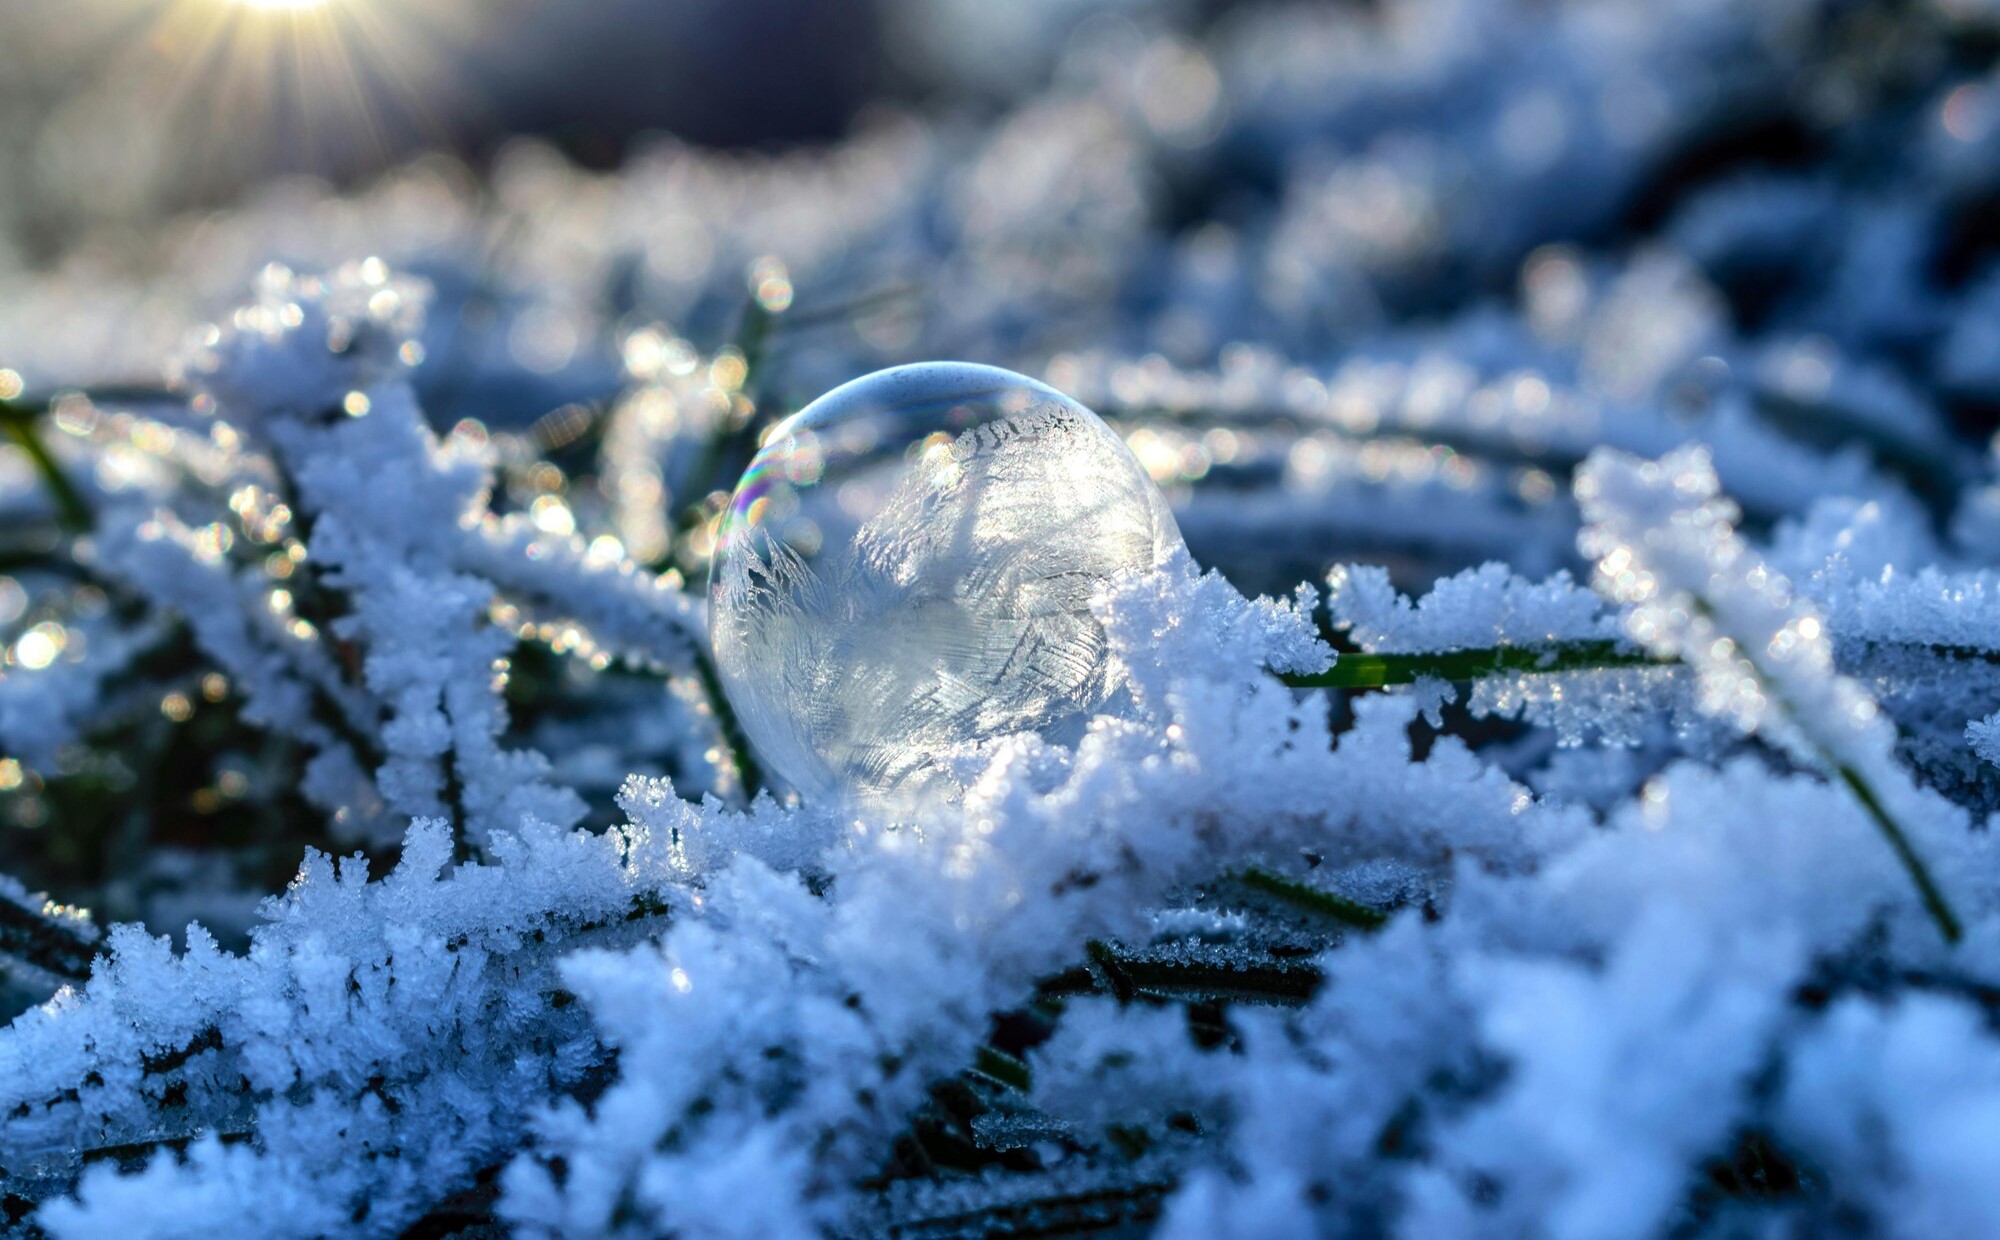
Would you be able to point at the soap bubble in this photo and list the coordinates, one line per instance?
(907, 567)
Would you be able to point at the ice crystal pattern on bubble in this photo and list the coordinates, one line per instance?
(907, 568)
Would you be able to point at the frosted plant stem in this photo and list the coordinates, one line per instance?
(19, 423)
(126, 393)
(1355, 670)
(1377, 671)
(1934, 901)
(1003, 1069)
(753, 337)
(1864, 793)
(18, 419)
(1127, 975)
(752, 333)
(726, 723)
(1313, 899)
(44, 942)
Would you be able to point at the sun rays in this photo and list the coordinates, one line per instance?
(324, 86)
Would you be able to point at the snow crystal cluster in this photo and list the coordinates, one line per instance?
(1536, 781)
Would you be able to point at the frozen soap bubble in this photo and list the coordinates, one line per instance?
(907, 566)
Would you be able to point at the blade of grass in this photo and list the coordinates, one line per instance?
(726, 723)
(1313, 899)
(1927, 888)
(18, 421)
(1377, 671)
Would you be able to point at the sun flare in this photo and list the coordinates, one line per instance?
(318, 86)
